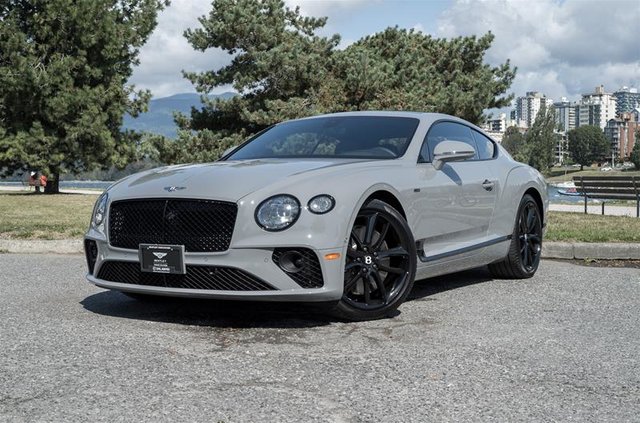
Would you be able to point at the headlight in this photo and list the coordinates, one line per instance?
(321, 204)
(278, 212)
(99, 212)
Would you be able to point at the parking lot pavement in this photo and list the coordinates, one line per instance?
(562, 346)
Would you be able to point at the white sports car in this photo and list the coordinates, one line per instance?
(347, 208)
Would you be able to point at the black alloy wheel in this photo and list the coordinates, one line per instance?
(523, 258)
(530, 237)
(380, 264)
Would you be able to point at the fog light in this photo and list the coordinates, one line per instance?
(291, 262)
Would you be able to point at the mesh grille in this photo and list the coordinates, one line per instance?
(197, 277)
(199, 225)
(311, 274)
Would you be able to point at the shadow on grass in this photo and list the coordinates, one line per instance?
(252, 314)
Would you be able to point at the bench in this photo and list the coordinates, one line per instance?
(609, 188)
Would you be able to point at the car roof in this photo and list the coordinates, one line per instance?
(423, 116)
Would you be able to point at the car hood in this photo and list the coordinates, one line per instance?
(227, 181)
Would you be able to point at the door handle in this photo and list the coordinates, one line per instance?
(488, 185)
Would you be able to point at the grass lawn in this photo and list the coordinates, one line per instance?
(32, 216)
(580, 227)
(26, 215)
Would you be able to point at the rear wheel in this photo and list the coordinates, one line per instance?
(380, 264)
(526, 244)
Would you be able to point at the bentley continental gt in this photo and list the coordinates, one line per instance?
(346, 208)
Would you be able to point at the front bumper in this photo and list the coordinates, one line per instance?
(255, 261)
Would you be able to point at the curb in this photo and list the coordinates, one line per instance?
(596, 251)
(558, 250)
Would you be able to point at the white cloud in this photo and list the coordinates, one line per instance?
(561, 48)
(167, 52)
(326, 7)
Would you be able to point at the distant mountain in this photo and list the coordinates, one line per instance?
(159, 118)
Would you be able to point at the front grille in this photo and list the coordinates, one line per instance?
(197, 277)
(310, 275)
(199, 225)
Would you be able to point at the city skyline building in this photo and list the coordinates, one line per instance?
(528, 106)
(627, 99)
(566, 114)
(621, 132)
(596, 108)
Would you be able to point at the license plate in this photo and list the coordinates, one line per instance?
(168, 259)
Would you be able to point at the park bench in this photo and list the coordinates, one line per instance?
(609, 188)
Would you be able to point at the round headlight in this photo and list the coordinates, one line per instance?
(100, 210)
(321, 204)
(278, 212)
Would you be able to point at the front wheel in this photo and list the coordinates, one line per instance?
(380, 265)
(526, 244)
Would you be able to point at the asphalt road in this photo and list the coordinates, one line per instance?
(563, 346)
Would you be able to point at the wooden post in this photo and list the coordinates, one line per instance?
(603, 208)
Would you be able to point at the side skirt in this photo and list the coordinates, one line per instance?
(459, 251)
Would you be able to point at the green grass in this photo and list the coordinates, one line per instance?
(33, 216)
(580, 227)
(38, 216)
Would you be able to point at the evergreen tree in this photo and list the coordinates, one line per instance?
(541, 140)
(635, 153)
(64, 66)
(587, 144)
(282, 70)
(513, 142)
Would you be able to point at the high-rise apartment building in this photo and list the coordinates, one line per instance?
(627, 99)
(596, 108)
(621, 132)
(527, 108)
(566, 114)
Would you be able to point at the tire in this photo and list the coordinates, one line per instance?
(380, 266)
(526, 244)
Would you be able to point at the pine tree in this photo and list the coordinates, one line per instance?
(541, 140)
(283, 69)
(64, 66)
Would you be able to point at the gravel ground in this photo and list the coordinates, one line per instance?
(562, 346)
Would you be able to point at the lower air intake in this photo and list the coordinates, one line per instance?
(197, 277)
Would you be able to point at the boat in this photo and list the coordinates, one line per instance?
(569, 191)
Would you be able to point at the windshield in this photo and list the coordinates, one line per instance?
(362, 137)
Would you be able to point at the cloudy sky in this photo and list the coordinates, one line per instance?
(561, 48)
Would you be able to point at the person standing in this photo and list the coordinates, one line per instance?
(43, 181)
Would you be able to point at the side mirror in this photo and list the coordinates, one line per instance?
(229, 150)
(451, 151)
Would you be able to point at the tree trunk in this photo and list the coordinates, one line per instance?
(53, 184)
(581, 167)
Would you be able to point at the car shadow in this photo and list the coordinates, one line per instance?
(214, 313)
(427, 287)
(247, 314)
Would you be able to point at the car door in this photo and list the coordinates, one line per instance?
(454, 205)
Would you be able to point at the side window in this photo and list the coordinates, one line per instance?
(445, 131)
(486, 147)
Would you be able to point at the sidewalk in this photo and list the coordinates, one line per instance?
(561, 250)
(595, 209)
